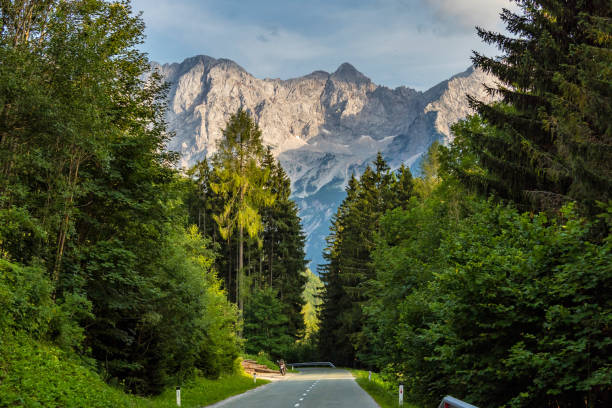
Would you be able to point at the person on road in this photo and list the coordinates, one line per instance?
(281, 366)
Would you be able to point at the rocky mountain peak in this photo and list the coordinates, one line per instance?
(348, 73)
(228, 64)
(323, 127)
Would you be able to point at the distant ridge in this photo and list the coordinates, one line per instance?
(322, 126)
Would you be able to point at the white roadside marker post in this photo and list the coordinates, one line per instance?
(369, 376)
(254, 377)
(401, 394)
(178, 396)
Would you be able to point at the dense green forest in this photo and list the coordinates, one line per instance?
(114, 265)
(489, 276)
(241, 200)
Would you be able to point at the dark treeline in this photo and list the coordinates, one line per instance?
(350, 246)
(108, 254)
(489, 277)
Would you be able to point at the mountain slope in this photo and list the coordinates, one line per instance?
(323, 126)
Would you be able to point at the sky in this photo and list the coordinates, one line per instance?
(414, 43)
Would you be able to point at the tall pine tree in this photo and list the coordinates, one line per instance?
(548, 140)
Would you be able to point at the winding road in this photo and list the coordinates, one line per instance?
(310, 388)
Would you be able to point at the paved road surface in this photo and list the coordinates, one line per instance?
(311, 388)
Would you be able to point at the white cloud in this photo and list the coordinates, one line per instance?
(395, 42)
(470, 13)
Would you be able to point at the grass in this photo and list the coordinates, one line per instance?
(202, 391)
(379, 390)
(35, 374)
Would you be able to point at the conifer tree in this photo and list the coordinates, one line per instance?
(548, 140)
(241, 181)
(349, 266)
(266, 326)
(284, 241)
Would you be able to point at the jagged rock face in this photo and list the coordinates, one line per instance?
(323, 127)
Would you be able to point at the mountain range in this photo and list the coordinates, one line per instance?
(322, 127)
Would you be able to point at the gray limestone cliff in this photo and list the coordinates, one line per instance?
(322, 127)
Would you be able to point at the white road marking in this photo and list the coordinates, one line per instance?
(296, 405)
(301, 399)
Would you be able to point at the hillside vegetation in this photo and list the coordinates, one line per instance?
(112, 262)
(489, 276)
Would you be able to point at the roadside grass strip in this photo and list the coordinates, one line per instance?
(201, 392)
(379, 390)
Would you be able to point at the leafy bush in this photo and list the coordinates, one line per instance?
(33, 374)
(514, 310)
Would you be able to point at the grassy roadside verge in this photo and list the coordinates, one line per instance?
(35, 374)
(379, 390)
(202, 391)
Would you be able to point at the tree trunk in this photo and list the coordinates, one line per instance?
(240, 266)
(229, 270)
(270, 259)
(72, 180)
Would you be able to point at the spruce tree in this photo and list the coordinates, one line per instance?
(349, 268)
(283, 241)
(548, 140)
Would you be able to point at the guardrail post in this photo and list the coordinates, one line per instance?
(451, 402)
(178, 396)
(254, 377)
(369, 376)
(401, 394)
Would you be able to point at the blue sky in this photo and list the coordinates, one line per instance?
(416, 43)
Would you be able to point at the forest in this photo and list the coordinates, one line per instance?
(488, 277)
(114, 264)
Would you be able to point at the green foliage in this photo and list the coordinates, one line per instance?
(26, 305)
(473, 298)
(384, 393)
(34, 374)
(530, 292)
(283, 246)
(547, 142)
(303, 350)
(312, 297)
(496, 307)
(349, 250)
(265, 326)
(96, 252)
(279, 262)
(241, 182)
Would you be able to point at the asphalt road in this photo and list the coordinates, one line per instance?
(310, 388)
